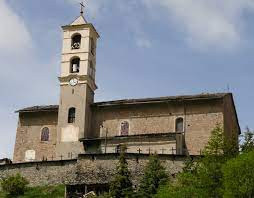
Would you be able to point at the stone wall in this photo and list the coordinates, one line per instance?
(28, 135)
(101, 168)
(150, 118)
(200, 118)
(198, 130)
(43, 173)
(88, 169)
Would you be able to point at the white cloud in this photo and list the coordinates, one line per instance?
(14, 36)
(133, 20)
(206, 22)
(18, 65)
(129, 12)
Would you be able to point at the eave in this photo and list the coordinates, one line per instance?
(168, 135)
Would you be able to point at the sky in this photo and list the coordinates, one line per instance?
(147, 48)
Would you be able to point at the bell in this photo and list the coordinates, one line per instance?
(75, 68)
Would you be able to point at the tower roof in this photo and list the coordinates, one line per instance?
(79, 21)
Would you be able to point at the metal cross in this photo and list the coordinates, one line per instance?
(149, 150)
(82, 8)
(173, 150)
(162, 150)
(139, 151)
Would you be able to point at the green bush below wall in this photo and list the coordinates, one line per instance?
(42, 192)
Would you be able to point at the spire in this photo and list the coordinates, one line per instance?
(81, 19)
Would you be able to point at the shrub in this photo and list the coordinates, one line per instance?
(45, 192)
(14, 185)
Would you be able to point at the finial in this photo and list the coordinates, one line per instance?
(82, 8)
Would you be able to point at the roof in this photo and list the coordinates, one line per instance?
(161, 99)
(132, 101)
(39, 108)
(79, 21)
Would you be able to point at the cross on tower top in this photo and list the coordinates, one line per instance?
(82, 6)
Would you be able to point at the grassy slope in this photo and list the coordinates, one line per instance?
(43, 192)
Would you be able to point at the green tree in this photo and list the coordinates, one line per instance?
(14, 186)
(121, 186)
(248, 142)
(239, 176)
(204, 177)
(154, 176)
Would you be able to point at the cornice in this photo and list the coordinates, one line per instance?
(84, 79)
(75, 27)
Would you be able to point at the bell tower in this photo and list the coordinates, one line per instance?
(77, 86)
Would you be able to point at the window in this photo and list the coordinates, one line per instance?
(71, 115)
(92, 45)
(179, 125)
(125, 128)
(76, 41)
(45, 134)
(75, 65)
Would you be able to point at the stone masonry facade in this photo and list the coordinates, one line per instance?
(199, 119)
(28, 135)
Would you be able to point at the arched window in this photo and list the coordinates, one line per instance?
(76, 41)
(75, 65)
(71, 115)
(179, 125)
(125, 128)
(45, 134)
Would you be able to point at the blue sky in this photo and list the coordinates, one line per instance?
(147, 48)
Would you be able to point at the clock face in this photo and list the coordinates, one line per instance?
(73, 81)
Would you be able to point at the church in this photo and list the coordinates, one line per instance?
(173, 125)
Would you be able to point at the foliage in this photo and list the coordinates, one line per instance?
(105, 195)
(45, 192)
(121, 186)
(169, 191)
(239, 176)
(248, 144)
(42, 192)
(154, 176)
(221, 145)
(14, 186)
(204, 177)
